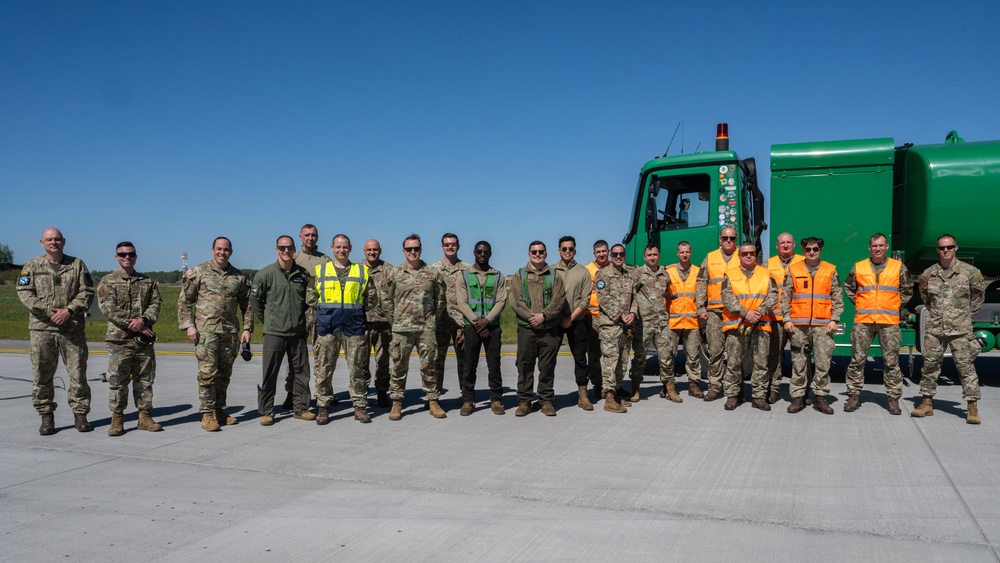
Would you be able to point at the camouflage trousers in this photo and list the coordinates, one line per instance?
(400, 349)
(593, 350)
(737, 344)
(806, 340)
(614, 353)
(964, 351)
(691, 337)
(135, 362)
(775, 352)
(638, 344)
(890, 339)
(356, 354)
(377, 338)
(660, 337)
(45, 349)
(716, 341)
(216, 353)
(447, 333)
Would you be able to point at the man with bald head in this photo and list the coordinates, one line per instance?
(378, 335)
(57, 290)
(778, 266)
(708, 296)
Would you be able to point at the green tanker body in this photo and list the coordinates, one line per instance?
(842, 192)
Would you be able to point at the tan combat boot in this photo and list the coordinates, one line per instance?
(694, 390)
(852, 404)
(583, 402)
(972, 416)
(523, 408)
(496, 407)
(80, 422)
(760, 403)
(892, 405)
(468, 407)
(435, 408)
(397, 410)
(925, 408)
(209, 424)
(611, 404)
(146, 422)
(635, 392)
(117, 427)
(361, 415)
(671, 392)
(224, 419)
(547, 409)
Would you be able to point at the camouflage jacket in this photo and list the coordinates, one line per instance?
(378, 278)
(615, 294)
(43, 286)
(414, 299)
(651, 295)
(122, 297)
(211, 298)
(451, 274)
(952, 297)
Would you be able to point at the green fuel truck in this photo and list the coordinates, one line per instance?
(842, 192)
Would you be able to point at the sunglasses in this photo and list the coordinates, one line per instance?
(125, 254)
(748, 254)
(727, 238)
(811, 249)
(567, 249)
(536, 252)
(411, 249)
(617, 254)
(286, 248)
(947, 247)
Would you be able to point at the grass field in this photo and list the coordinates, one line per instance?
(14, 317)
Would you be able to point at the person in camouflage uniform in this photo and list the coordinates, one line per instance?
(131, 301)
(953, 292)
(378, 334)
(897, 289)
(309, 257)
(683, 313)
(652, 284)
(778, 266)
(450, 327)
(811, 305)
(616, 322)
(710, 309)
(537, 297)
(413, 301)
(747, 323)
(341, 290)
(212, 295)
(57, 290)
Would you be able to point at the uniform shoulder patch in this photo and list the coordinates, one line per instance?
(601, 284)
(24, 279)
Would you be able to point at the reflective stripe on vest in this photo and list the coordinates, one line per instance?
(877, 301)
(681, 299)
(717, 268)
(811, 303)
(333, 292)
(595, 310)
(546, 293)
(778, 271)
(751, 293)
(481, 298)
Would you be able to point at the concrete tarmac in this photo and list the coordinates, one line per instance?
(663, 482)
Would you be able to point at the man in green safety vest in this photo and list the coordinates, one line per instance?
(480, 294)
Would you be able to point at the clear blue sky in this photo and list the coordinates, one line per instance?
(168, 123)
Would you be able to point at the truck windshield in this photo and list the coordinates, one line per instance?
(683, 202)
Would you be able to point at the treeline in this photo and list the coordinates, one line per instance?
(173, 276)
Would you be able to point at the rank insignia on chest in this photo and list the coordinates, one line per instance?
(24, 279)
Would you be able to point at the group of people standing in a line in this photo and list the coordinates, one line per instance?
(603, 309)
